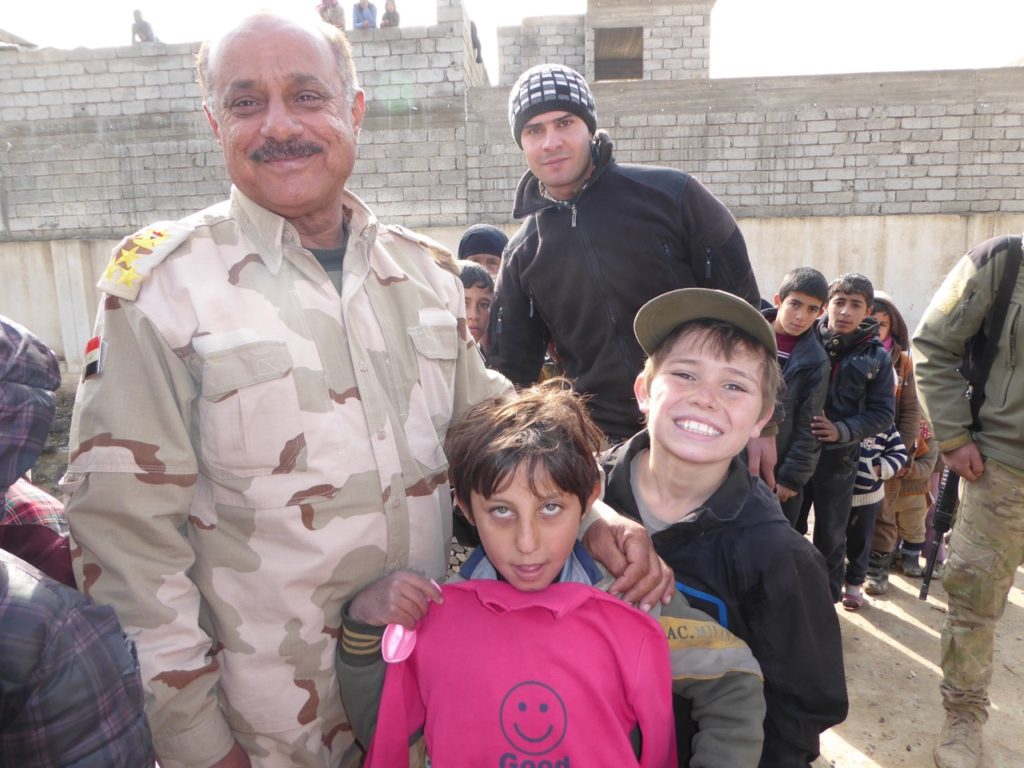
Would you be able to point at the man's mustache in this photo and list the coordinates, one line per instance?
(284, 150)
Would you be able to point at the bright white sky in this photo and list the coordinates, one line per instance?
(749, 37)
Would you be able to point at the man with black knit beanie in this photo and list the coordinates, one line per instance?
(598, 241)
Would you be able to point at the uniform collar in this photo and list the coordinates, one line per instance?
(273, 236)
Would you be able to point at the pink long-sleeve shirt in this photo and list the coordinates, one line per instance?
(505, 679)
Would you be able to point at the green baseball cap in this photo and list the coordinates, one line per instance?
(663, 314)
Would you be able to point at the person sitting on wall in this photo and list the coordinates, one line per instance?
(332, 13)
(364, 15)
(390, 18)
(142, 31)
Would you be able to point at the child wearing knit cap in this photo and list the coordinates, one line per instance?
(483, 243)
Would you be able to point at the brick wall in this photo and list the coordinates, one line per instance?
(96, 142)
(539, 41)
(676, 39)
(848, 145)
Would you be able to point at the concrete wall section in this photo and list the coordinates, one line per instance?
(49, 286)
(907, 256)
(411, 168)
(908, 143)
(100, 142)
(411, 68)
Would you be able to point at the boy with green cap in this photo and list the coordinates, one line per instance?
(708, 386)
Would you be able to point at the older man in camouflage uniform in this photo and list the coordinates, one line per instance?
(987, 545)
(259, 429)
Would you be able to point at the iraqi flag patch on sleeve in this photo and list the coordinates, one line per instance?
(94, 356)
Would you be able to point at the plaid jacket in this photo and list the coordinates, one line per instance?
(70, 692)
(34, 528)
(29, 374)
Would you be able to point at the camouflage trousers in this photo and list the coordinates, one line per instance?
(986, 547)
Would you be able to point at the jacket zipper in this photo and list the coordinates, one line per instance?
(595, 271)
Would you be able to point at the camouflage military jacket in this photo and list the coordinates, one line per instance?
(248, 449)
(961, 307)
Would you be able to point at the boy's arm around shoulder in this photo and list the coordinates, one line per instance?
(717, 672)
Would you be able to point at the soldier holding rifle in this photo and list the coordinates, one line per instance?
(986, 449)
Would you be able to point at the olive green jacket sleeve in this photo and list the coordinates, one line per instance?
(361, 671)
(716, 671)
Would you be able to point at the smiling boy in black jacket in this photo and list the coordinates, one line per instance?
(709, 384)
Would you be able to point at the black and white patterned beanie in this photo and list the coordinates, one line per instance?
(545, 88)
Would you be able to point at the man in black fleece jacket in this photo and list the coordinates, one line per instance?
(599, 239)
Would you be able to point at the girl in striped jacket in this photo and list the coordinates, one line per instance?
(881, 457)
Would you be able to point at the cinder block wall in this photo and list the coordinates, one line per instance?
(894, 174)
(846, 145)
(559, 39)
(97, 142)
(677, 35)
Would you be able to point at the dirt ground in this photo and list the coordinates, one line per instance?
(891, 651)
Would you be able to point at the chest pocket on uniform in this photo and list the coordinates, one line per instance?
(249, 418)
(430, 401)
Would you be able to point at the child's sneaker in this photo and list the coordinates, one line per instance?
(910, 562)
(853, 598)
(877, 580)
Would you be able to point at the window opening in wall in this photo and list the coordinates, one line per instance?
(619, 53)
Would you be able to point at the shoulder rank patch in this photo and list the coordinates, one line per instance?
(441, 255)
(137, 255)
